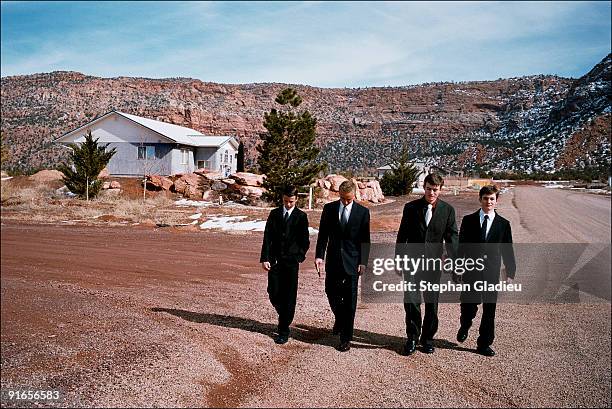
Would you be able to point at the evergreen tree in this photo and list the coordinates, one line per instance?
(288, 153)
(88, 161)
(240, 158)
(402, 176)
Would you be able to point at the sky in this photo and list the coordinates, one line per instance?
(323, 44)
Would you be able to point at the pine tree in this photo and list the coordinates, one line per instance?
(288, 153)
(402, 176)
(88, 160)
(240, 158)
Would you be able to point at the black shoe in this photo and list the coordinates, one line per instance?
(410, 347)
(486, 351)
(281, 339)
(428, 348)
(462, 334)
(344, 346)
(336, 329)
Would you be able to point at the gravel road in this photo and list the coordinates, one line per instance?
(137, 316)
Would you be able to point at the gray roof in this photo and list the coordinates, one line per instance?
(179, 134)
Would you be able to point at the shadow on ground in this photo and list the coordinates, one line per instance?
(304, 333)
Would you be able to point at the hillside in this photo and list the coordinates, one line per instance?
(528, 123)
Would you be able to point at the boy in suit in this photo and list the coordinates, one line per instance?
(494, 234)
(285, 244)
(431, 221)
(343, 230)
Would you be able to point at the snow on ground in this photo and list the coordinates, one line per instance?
(197, 203)
(227, 223)
(237, 223)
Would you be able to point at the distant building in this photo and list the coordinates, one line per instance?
(148, 146)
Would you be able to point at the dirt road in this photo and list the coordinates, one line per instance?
(135, 316)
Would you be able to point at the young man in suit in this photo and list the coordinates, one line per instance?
(343, 230)
(284, 246)
(494, 234)
(431, 221)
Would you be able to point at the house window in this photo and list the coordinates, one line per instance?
(184, 156)
(204, 164)
(225, 160)
(147, 152)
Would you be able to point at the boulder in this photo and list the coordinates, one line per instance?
(47, 176)
(115, 185)
(377, 190)
(218, 186)
(104, 173)
(248, 179)
(106, 185)
(335, 181)
(252, 191)
(181, 185)
(323, 184)
(160, 182)
(211, 196)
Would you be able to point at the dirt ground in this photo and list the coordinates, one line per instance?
(129, 315)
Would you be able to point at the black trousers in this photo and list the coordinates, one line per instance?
(341, 290)
(282, 290)
(487, 322)
(419, 327)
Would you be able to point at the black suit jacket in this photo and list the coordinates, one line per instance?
(344, 246)
(498, 246)
(285, 242)
(442, 227)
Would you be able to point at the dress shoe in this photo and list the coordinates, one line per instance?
(344, 346)
(428, 348)
(486, 351)
(336, 329)
(462, 334)
(410, 347)
(281, 339)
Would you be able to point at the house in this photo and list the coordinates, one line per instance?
(147, 146)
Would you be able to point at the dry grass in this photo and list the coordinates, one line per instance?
(39, 202)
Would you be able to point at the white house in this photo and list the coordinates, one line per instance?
(153, 147)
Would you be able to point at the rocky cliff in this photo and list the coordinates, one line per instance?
(528, 123)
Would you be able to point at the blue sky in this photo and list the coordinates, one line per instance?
(326, 44)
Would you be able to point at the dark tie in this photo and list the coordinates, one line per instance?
(286, 217)
(483, 229)
(343, 217)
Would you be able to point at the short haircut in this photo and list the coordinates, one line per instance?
(488, 190)
(433, 179)
(290, 191)
(347, 186)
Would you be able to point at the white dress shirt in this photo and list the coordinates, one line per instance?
(491, 215)
(285, 211)
(348, 211)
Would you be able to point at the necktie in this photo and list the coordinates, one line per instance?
(483, 229)
(343, 218)
(428, 214)
(286, 217)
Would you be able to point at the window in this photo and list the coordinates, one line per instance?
(225, 160)
(204, 164)
(146, 152)
(184, 156)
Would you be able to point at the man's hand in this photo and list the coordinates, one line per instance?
(319, 265)
(266, 265)
(509, 280)
(361, 269)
